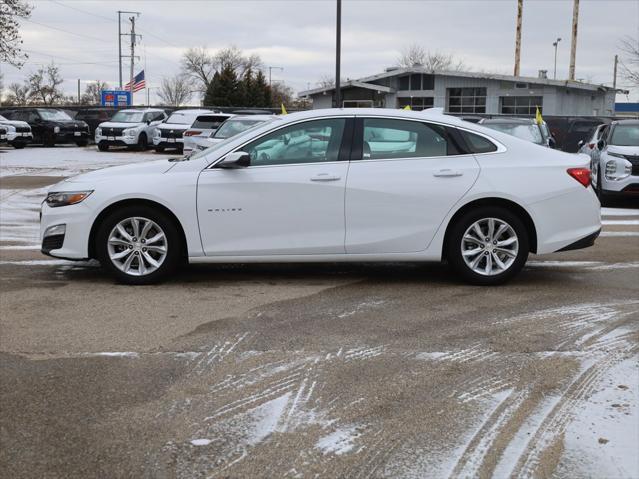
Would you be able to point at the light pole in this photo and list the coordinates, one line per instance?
(555, 45)
(270, 69)
(338, 52)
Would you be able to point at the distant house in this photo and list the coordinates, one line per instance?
(469, 93)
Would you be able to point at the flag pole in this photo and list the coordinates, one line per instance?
(146, 83)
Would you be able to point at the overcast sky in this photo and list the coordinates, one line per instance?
(299, 35)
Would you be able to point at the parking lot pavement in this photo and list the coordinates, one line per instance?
(371, 370)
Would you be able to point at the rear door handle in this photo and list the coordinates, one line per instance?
(325, 177)
(447, 172)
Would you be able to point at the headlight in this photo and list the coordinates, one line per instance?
(98, 131)
(156, 132)
(617, 170)
(129, 132)
(66, 198)
(56, 129)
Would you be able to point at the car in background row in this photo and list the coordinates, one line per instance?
(170, 134)
(51, 126)
(18, 133)
(567, 131)
(132, 128)
(525, 128)
(589, 146)
(3, 135)
(615, 172)
(203, 127)
(93, 117)
(231, 127)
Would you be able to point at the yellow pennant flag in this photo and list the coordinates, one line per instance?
(284, 112)
(407, 107)
(538, 117)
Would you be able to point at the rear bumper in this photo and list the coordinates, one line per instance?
(585, 242)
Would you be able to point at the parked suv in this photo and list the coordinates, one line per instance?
(169, 134)
(18, 133)
(94, 116)
(616, 172)
(3, 135)
(132, 128)
(203, 127)
(51, 126)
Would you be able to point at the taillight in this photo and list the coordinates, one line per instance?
(591, 145)
(192, 132)
(582, 175)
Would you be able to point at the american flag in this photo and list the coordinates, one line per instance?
(138, 82)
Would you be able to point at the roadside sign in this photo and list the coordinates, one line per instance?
(116, 98)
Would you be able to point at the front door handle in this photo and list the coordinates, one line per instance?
(325, 177)
(447, 172)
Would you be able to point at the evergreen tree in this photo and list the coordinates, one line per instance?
(262, 91)
(223, 88)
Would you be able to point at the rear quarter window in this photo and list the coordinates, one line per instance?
(478, 144)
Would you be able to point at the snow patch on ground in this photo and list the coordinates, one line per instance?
(620, 222)
(618, 234)
(618, 212)
(339, 441)
(201, 442)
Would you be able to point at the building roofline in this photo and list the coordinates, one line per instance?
(463, 74)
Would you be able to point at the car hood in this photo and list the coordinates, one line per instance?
(67, 123)
(14, 123)
(112, 124)
(173, 126)
(143, 169)
(623, 150)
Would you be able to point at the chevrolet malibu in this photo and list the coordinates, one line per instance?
(332, 185)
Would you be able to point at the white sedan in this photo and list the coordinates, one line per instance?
(332, 185)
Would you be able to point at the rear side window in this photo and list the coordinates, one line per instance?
(209, 122)
(478, 144)
(389, 139)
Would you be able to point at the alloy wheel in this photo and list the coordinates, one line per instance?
(137, 246)
(489, 246)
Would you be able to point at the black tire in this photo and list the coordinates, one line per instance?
(174, 244)
(49, 139)
(604, 200)
(459, 228)
(18, 145)
(103, 147)
(143, 143)
(82, 143)
(159, 149)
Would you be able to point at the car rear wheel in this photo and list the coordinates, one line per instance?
(143, 143)
(488, 246)
(138, 245)
(18, 145)
(159, 149)
(103, 147)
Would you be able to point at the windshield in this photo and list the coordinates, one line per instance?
(525, 132)
(209, 122)
(128, 117)
(256, 124)
(625, 135)
(181, 118)
(54, 115)
(233, 127)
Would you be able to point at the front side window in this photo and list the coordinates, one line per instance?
(389, 138)
(308, 142)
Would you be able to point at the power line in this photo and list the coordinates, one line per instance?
(66, 31)
(75, 60)
(83, 11)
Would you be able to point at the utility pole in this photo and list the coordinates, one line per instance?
(520, 12)
(78, 91)
(132, 20)
(338, 50)
(614, 74)
(573, 40)
(120, 35)
(270, 69)
(554, 76)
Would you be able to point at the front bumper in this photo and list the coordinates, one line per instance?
(19, 137)
(71, 137)
(75, 242)
(116, 140)
(168, 142)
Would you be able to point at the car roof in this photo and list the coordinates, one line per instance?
(626, 122)
(252, 117)
(193, 111)
(145, 110)
(518, 121)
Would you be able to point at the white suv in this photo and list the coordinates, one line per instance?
(132, 128)
(18, 132)
(170, 134)
(616, 171)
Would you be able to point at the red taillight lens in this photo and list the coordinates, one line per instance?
(591, 145)
(582, 175)
(192, 132)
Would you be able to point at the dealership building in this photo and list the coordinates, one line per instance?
(468, 93)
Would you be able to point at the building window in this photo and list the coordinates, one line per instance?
(520, 105)
(417, 82)
(415, 103)
(467, 100)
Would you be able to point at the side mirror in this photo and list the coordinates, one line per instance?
(580, 144)
(235, 160)
(601, 144)
(148, 122)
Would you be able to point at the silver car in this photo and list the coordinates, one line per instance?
(616, 171)
(525, 128)
(203, 127)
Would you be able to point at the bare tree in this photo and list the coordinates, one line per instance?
(176, 90)
(326, 81)
(10, 39)
(630, 62)
(18, 94)
(281, 94)
(200, 66)
(93, 93)
(415, 55)
(44, 85)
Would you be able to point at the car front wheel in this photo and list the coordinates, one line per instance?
(488, 246)
(138, 245)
